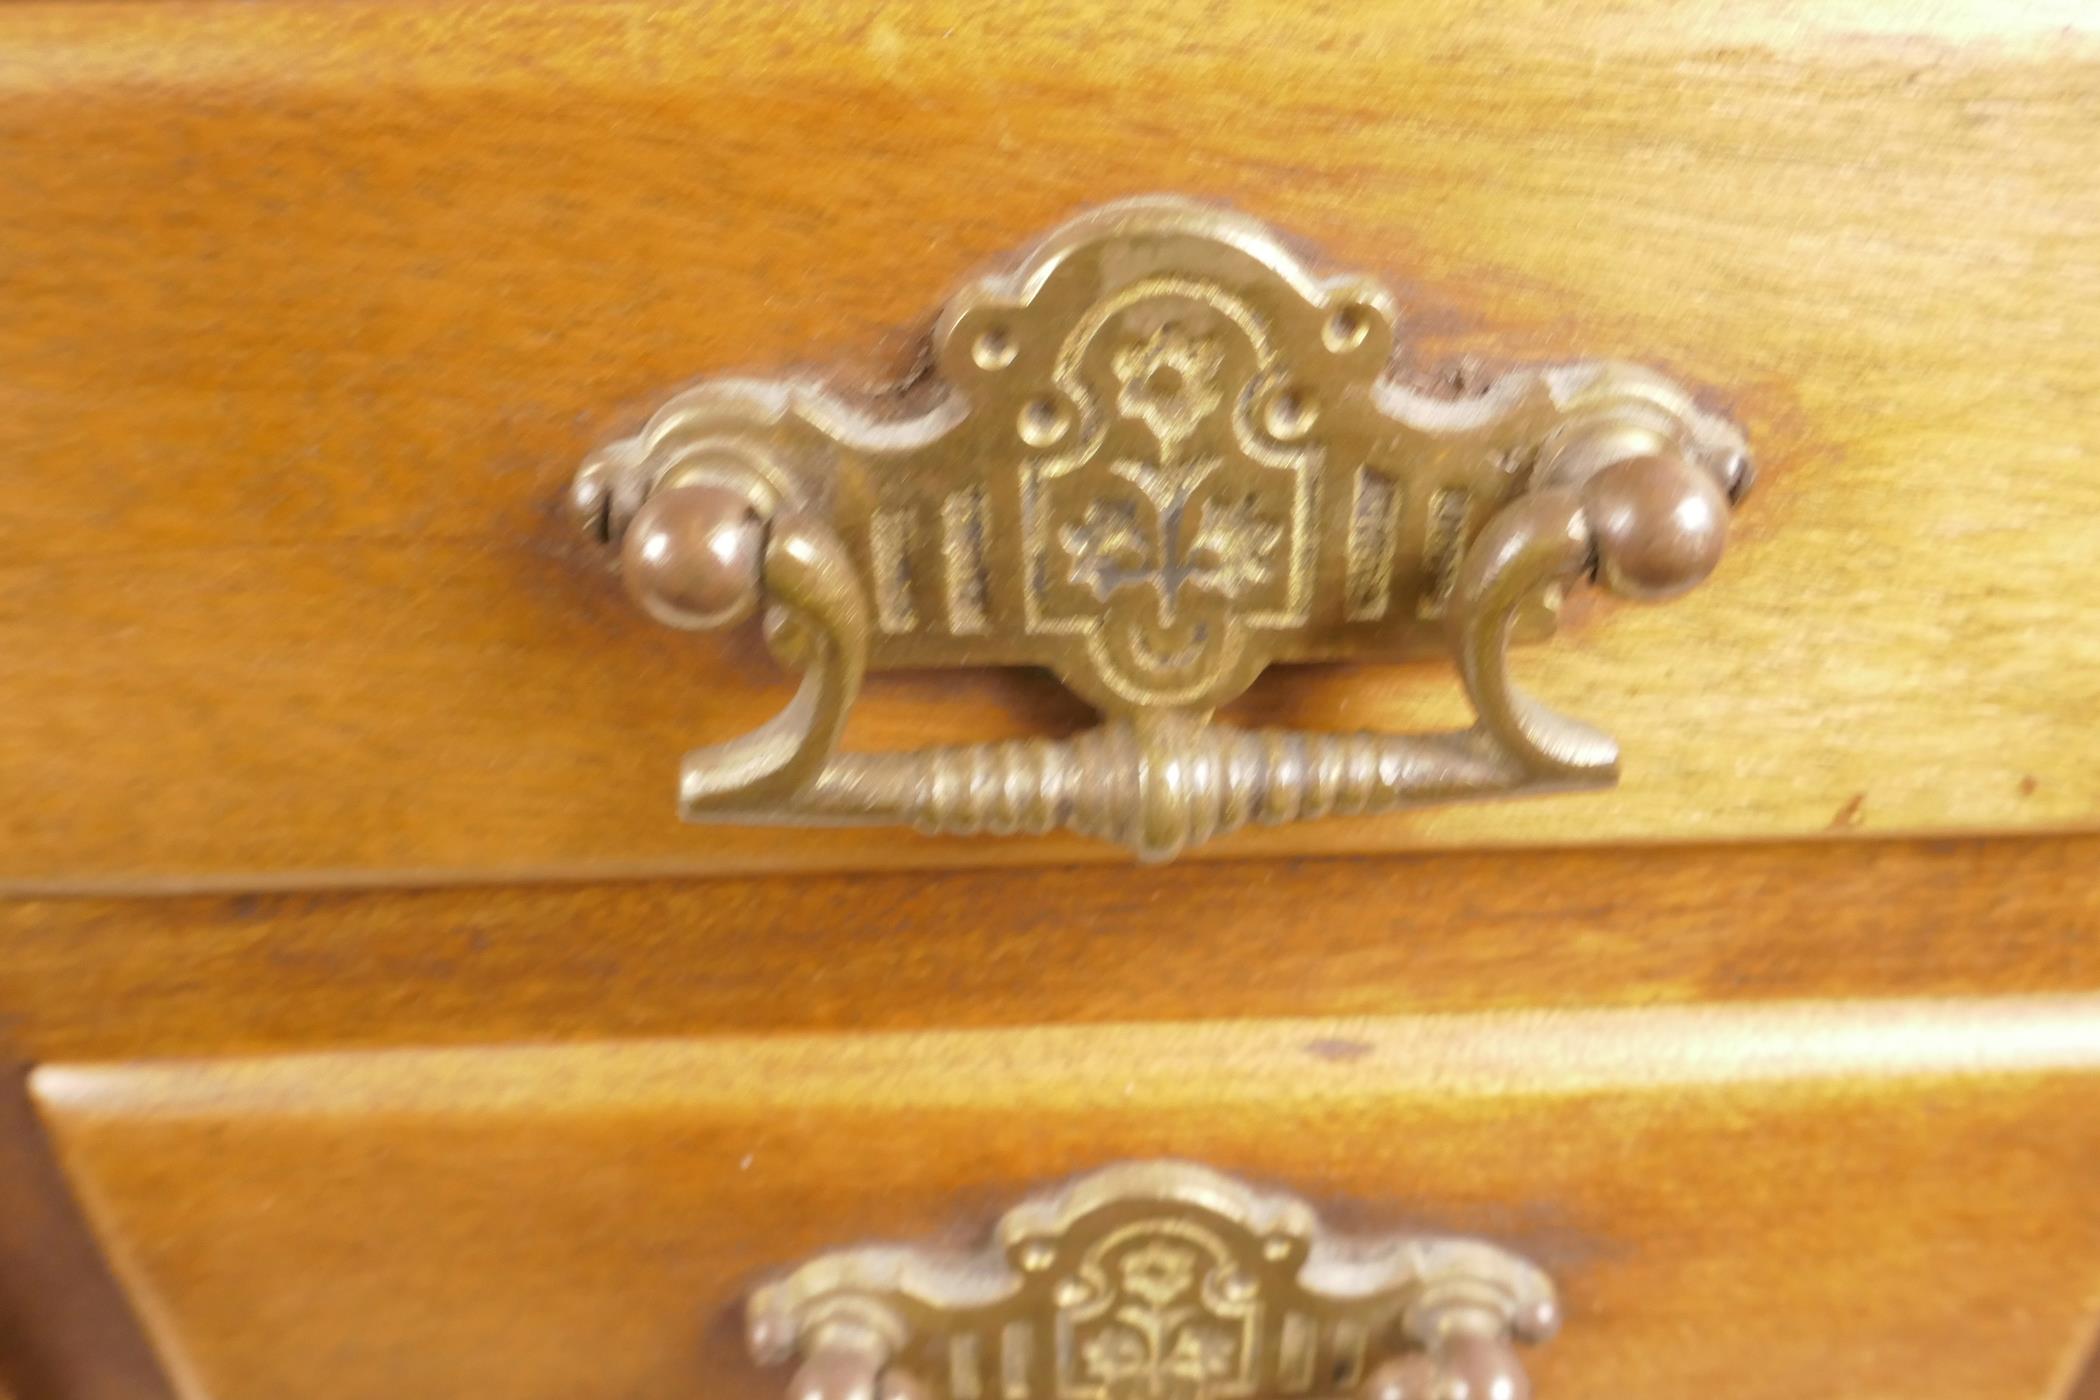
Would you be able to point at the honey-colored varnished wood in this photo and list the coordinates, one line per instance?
(1762, 1202)
(313, 310)
(108, 978)
(396, 1039)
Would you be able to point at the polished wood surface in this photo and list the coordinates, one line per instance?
(313, 309)
(1766, 1201)
(1793, 1102)
(117, 978)
(379, 1024)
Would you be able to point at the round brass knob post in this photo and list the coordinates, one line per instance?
(1463, 1367)
(841, 1368)
(1659, 524)
(692, 556)
(900, 1384)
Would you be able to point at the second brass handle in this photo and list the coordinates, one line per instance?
(1159, 1280)
(852, 1362)
(1251, 485)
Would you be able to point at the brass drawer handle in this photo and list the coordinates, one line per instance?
(1159, 1281)
(1158, 455)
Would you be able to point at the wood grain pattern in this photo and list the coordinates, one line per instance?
(94, 978)
(312, 309)
(1765, 1201)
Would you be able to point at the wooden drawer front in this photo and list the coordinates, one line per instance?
(1766, 1201)
(313, 310)
(126, 979)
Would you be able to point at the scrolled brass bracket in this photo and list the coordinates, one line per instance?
(1157, 455)
(1159, 1281)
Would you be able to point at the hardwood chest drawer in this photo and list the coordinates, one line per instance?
(383, 1032)
(1775, 1121)
(315, 310)
(1757, 1203)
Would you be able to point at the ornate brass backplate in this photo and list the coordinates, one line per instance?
(1158, 1281)
(1154, 457)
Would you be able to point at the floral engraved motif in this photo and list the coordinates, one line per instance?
(1108, 547)
(1235, 548)
(1115, 1354)
(1159, 1273)
(1155, 1337)
(1203, 1354)
(1170, 383)
(1172, 530)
